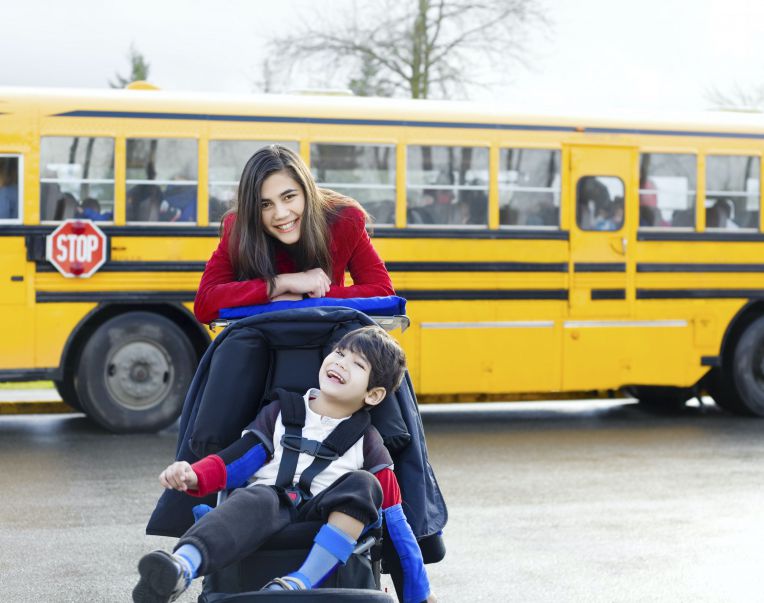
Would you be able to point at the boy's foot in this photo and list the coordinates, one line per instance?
(163, 578)
(290, 582)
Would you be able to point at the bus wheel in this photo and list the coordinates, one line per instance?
(68, 392)
(134, 372)
(744, 380)
(660, 399)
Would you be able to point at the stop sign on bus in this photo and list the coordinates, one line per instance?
(77, 248)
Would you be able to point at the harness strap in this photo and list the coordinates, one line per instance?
(293, 418)
(337, 443)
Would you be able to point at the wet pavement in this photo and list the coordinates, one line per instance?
(573, 501)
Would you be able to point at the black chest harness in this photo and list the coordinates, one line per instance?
(336, 444)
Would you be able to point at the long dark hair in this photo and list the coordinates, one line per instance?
(251, 248)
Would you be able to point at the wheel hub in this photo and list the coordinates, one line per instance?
(139, 374)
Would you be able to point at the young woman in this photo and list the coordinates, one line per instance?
(287, 239)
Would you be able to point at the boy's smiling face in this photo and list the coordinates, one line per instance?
(344, 377)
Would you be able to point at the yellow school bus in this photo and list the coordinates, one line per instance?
(541, 256)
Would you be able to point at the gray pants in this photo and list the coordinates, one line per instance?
(250, 516)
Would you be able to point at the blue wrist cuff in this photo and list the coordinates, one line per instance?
(416, 585)
(240, 470)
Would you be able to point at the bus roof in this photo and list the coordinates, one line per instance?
(364, 110)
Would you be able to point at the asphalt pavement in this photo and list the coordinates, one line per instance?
(576, 501)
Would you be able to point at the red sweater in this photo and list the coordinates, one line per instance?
(350, 249)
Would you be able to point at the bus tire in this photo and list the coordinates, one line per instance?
(743, 380)
(66, 389)
(134, 372)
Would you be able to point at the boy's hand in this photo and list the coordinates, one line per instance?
(179, 476)
(431, 598)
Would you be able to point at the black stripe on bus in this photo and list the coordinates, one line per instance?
(652, 132)
(334, 121)
(116, 266)
(465, 233)
(43, 374)
(666, 267)
(339, 121)
(476, 266)
(599, 267)
(700, 236)
(600, 294)
(700, 293)
(477, 294)
(188, 296)
(43, 297)
(16, 230)
(184, 266)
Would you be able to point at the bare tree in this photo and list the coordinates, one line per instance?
(737, 98)
(139, 69)
(265, 83)
(416, 48)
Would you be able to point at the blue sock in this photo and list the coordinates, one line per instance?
(192, 557)
(331, 547)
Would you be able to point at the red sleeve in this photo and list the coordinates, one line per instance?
(219, 287)
(370, 277)
(391, 492)
(211, 473)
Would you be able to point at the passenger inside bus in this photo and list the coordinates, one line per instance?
(721, 215)
(9, 188)
(649, 213)
(90, 209)
(181, 202)
(609, 216)
(593, 200)
(143, 201)
(66, 207)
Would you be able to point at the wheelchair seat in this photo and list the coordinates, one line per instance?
(284, 552)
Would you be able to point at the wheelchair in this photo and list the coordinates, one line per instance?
(284, 348)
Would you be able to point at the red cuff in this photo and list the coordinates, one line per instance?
(391, 492)
(211, 473)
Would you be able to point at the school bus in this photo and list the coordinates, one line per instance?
(541, 256)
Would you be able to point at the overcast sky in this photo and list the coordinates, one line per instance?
(599, 54)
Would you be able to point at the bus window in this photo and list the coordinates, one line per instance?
(9, 188)
(732, 192)
(227, 159)
(529, 187)
(76, 178)
(667, 190)
(161, 180)
(364, 172)
(447, 185)
(599, 203)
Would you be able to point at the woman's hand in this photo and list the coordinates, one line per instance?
(314, 282)
(287, 297)
(179, 476)
(317, 283)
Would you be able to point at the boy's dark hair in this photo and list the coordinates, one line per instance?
(387, 361)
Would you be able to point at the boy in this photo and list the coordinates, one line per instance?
(346, 494)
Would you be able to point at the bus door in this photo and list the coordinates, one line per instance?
(601, 198)
(17, 347)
